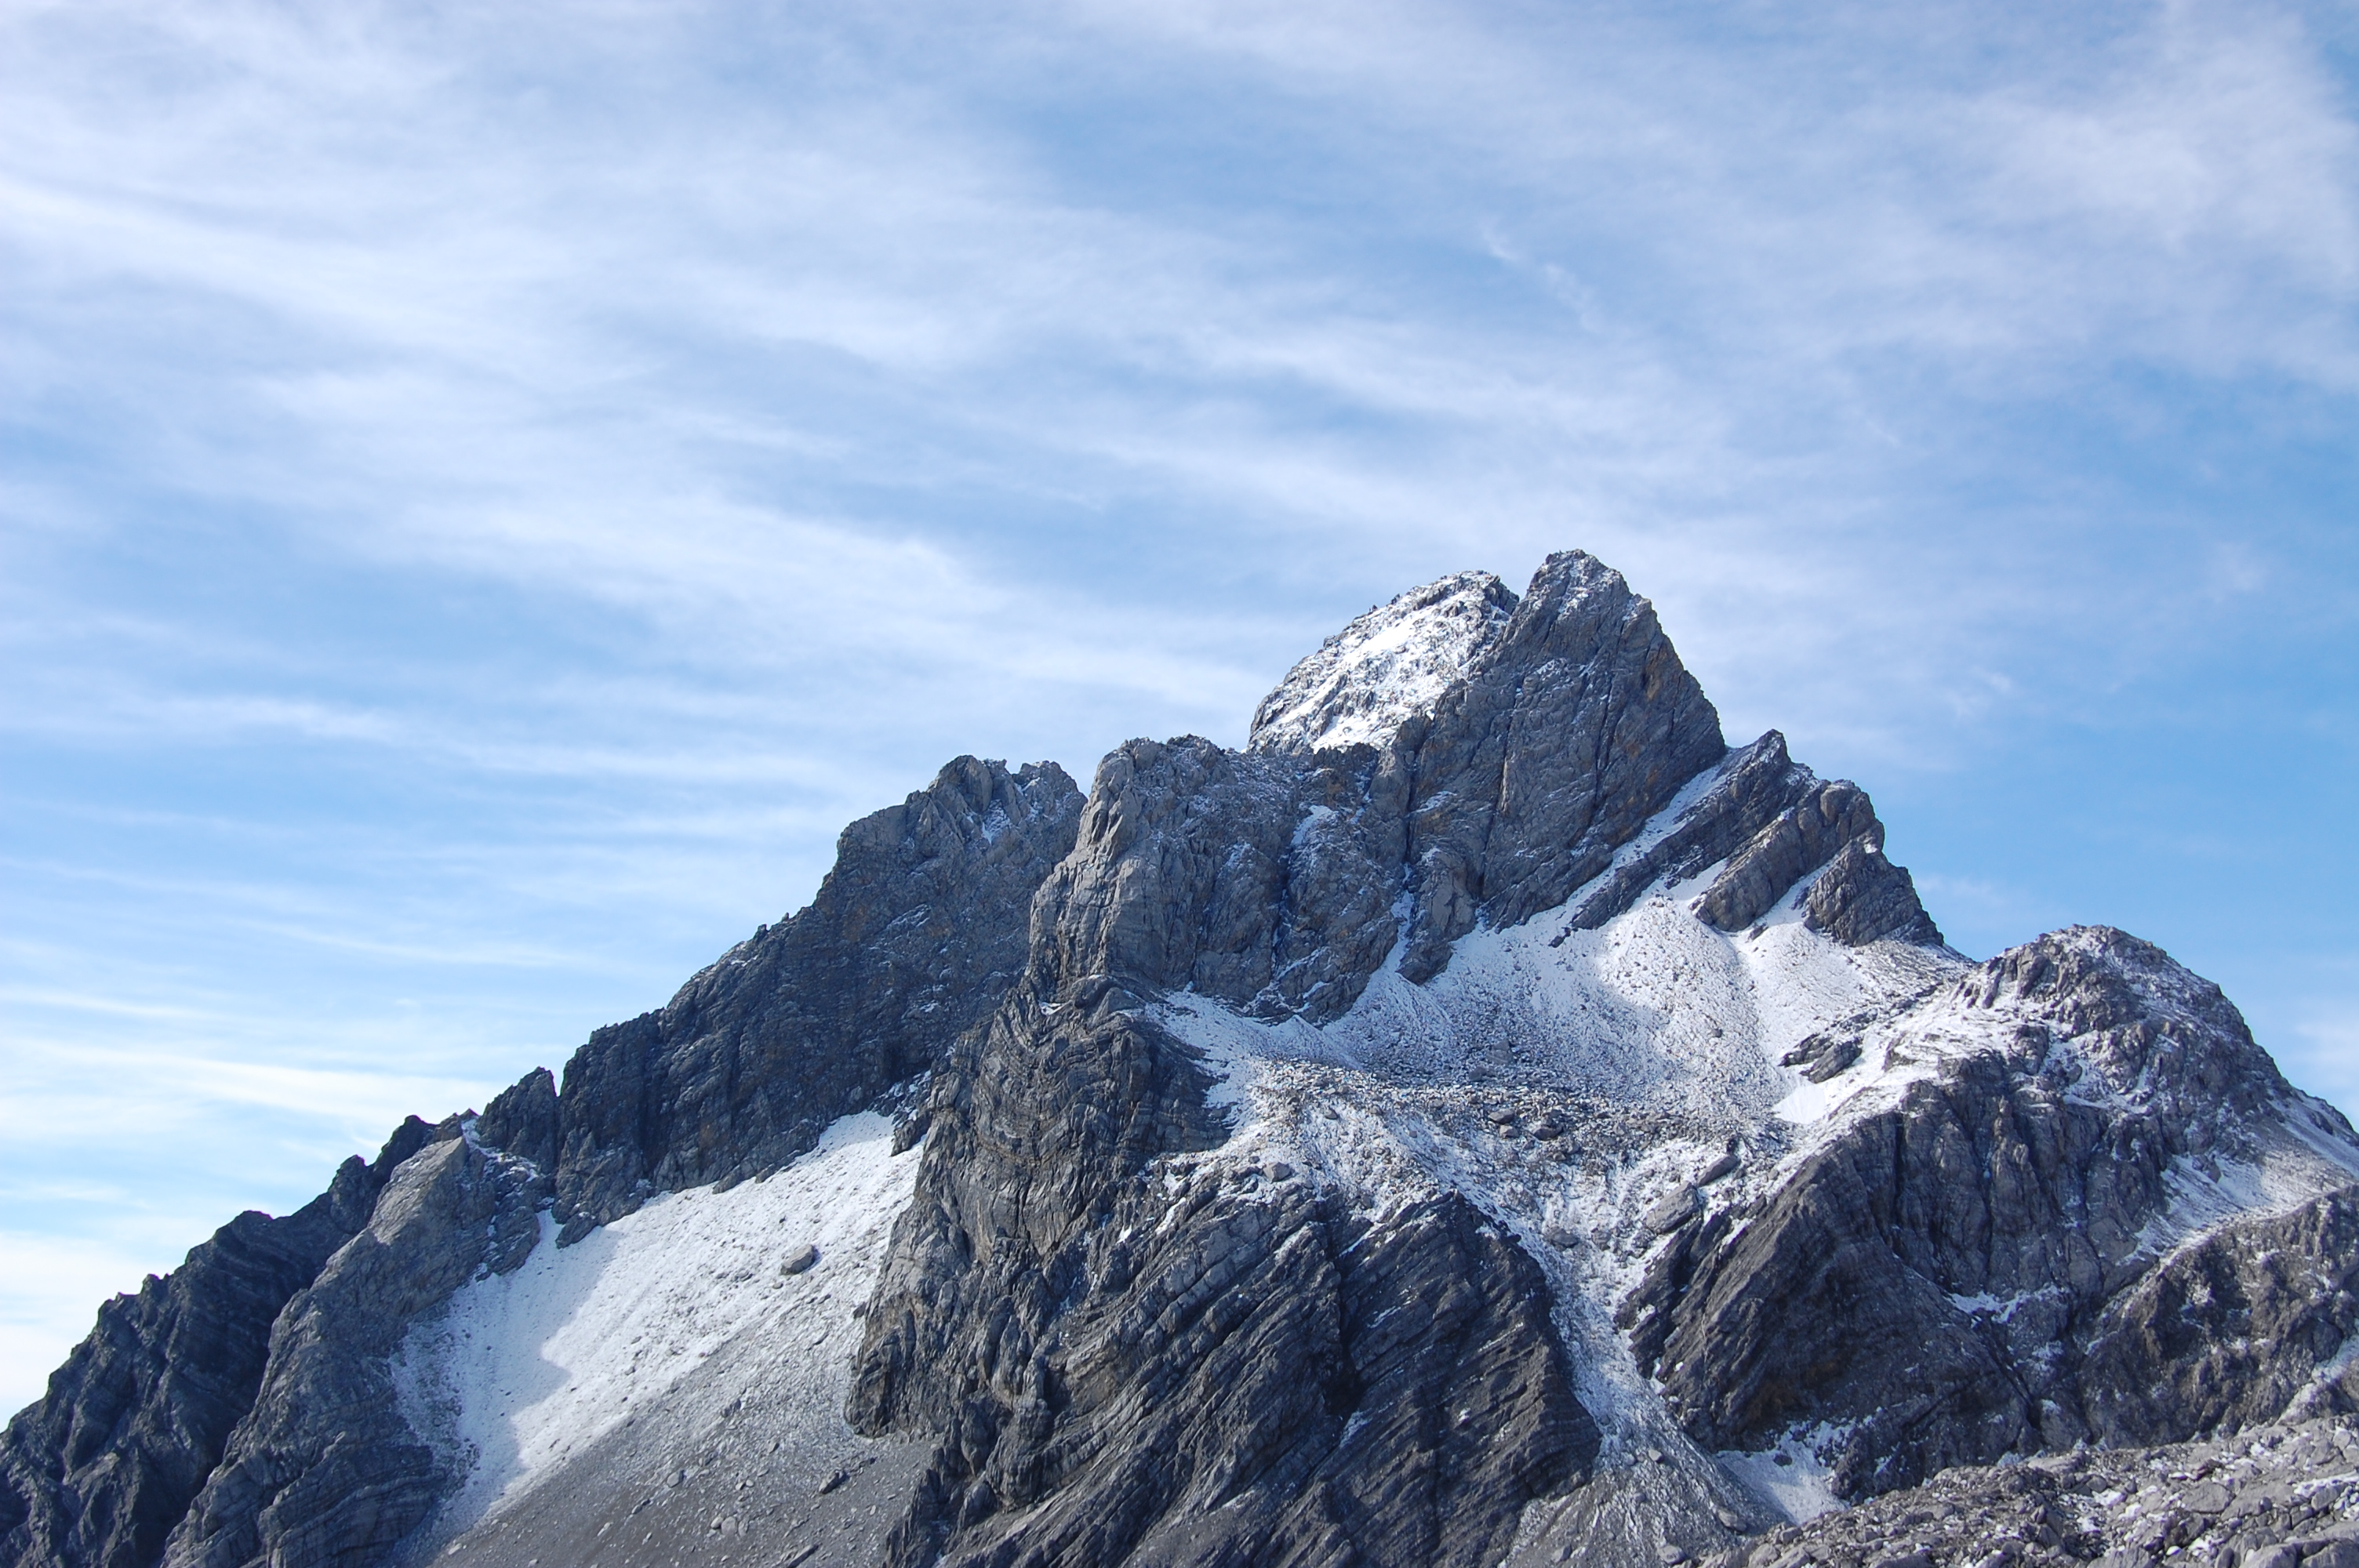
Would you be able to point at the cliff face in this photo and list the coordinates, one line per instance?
(102, 1468)
(1985, 1217)
(1486, 1118)
(914, 933)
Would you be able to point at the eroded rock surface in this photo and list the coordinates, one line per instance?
(2283, 1495)
(1560, 740)
(99, 1471)
(1128, 1363)
(1976, 1237)
(915, 933)
(913, 936)
(323, 1469)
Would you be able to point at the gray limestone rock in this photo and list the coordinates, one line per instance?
(1215, 1367)
(1566, 734)
(1268, 882)
(1113, 1339)
(323, 1469)
(1274, 880)
(2243, 1325)
(98, 1471)
(914, 933)
(2028, 1177)
(916, 930)
(523, 1119)
(1772, 824)
(1797, 841)
(1749, 791)
(2283, 1495)
(1861, 897)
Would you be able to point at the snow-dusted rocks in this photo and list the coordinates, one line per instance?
(324, 1469)
(2009, 1151)
(1394, 662)
(1486, 1120)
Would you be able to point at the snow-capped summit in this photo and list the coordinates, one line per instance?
(1389, 664)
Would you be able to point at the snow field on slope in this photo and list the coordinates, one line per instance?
(525, 1369)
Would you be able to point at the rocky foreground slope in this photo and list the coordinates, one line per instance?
(1486, 1119)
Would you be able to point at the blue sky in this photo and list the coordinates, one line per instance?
(489, 492)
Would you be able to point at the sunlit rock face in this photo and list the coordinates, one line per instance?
(1486, 1118)
(1393, 663)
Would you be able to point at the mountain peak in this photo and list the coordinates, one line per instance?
(1395, 660)
(1548, 1135)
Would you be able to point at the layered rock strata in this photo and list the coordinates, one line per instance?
(102, 1468)
(323, 1468)
(1984, 1226)
(914, 933)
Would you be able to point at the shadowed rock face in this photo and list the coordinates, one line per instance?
(1188, 1398)
(914, 933)
(323, 1469)
(920, 926)
(1564, 737)
(100, 1470)
(2238, 1328)
(1280, 878)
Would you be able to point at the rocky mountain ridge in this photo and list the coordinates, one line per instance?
(1487, 1119)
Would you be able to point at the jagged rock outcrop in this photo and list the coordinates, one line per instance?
(1274, 882)
(1274, 879)
(1862, 897)
(916, 930)
(1266, 882)
(2284, 1495)
(323, 1469)
(913, 936)
(1770, 825)
(99, 1471)
(2238, 1328)
(1558, 744)
(1971, 1237)
(1229, 1369)
(524, 1119)
(1799, 839)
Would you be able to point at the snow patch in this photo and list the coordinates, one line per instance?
(1790, 1477)
(523, 1370)
(1566, 1082)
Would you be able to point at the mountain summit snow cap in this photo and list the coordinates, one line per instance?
(1396, 660)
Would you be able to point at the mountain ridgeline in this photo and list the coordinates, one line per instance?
(1487, 1119)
